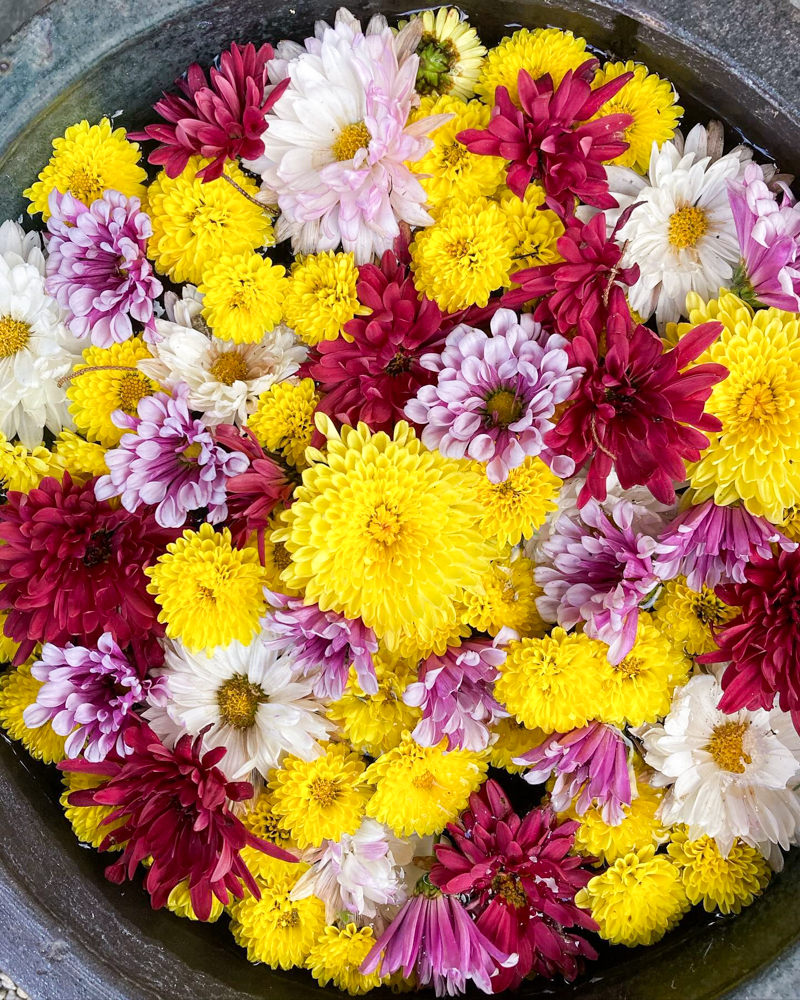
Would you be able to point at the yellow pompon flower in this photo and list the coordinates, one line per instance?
(82, 459)
(322, 297)
(756, 456)
(116, 385)
(8, 648)
(88, 160)
(450, 54)
(276, 558)
(790, 525)
(506, 597)
(243, 296)
(513, 740)
(517, 507)
(284, 418)
(86, 821)
(18, 690)
(422, 789)
(688, 616)
(543, 50)
(637, 900)
(275, 929)
(320, 799)
(336, 958)
(415, 647)
(453, 171)
(551, 683)
(718, 882)
(180, 902)
(23, 470)
(374, 723)
(384, 530)
(262, 820)
(640, 828)
(195, 224)
(639, 689)
(534, 231)
(464, 256)
(651, 102)
(210, 592)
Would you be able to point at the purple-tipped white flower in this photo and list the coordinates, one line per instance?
(591, 766)
(170, 460)
(97, 266)
(455, 692)
(598, 570)
(88, 695)
(496, 395)
(710, 545)
(325, 643)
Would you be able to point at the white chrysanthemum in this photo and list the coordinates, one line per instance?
(361, 873)
(19, 247)
(681, 234)
(186, 310)
(730, 775)
(225, 379)
(250, 698)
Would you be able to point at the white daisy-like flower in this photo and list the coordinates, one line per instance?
(360, 874)
(185, 310)
(35, 347)
(250, 698)
(681, 232)
(729, 775)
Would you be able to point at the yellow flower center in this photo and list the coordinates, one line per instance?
(85, 185)
(14, 336)
(206, 594)
(192, 452)
(503, 408)
(238, 701)
(709, 610)
(324, 791)
(453, 154)
(686, 226)
(281, 556)
(350, 140)
(631, 666)
(458, 249)
(726, 746)
(265, 826)
(424, 781)
(758, 402)
(291, 918)
(132, 388)
(229, 368)
(508, 886)
(384, 525)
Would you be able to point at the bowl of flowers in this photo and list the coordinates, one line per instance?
(399, 556)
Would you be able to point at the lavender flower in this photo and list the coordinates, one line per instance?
(325, 642)
(598, 570)
(769, 239)
(455, 694)
(496, 395)
(591, 765)
(711, 545)
(171, 460)
(88, 695)
(97, 268)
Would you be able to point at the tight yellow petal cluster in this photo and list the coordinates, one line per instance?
(506, 599)
(18, 690)
(517, 507)
(690, 616)
(243, 296)
(321, 296)
(640, 828)
(533, 231)
(284, 418)
(719, 882)
(336, 958)
(543, 50)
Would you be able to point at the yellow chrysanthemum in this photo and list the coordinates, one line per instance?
(374, 723)
(688, 616)
(513, 740)
(653, 105)
(453, 171)
(384, 530)
(8, 648)
(790, 525)
(243, 296)
(180, 902)
(23, 470)
(320, 799)
(116, 385)
(421, 789)
(639, 688)
(551, 683)
(450, 54)
(336, 958)
(415, 646)
(756, 456)
(82, 459)
(86, 820)
(262, 820)
(195, 224)
(210, 592)
(637, 900)
(276, 558)
(88, 160)
(534, 231)
(517, 507)
(640, 828)
(720, 883)
(275, 929)
(543, 50)
(506, 597)
(284, 418)
(321, 296)
(464, 256)
(18, 689)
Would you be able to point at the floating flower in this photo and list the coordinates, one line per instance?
(720, 882)
(19, 247)
(506, 599)
(284, 419)
(243, 296)
(337, 957)
(450, 54)
(515, 508)
(18, 691)
(82, 459)
(322, 296)
(690, 617)
(23, 470)
(534, 230)
(543, 51)
(274, 556)
(511, 739)
(260, 818)
(88, 822)
(179, 902)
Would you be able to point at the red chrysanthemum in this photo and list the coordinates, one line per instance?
(521, 882)
(635, 410)
(173, 805)
(221, 120)
(762, 643)
(73, 568)
(550, 139)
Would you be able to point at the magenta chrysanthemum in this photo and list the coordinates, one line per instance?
(97, 266)
(495, 396)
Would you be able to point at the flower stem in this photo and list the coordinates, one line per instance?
(94, 368)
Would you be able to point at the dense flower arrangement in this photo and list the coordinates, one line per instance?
(424, 601)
